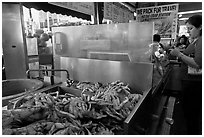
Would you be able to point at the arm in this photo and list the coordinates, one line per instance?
(198, 52)
(195, 62)
(189, 50)
(186, 59)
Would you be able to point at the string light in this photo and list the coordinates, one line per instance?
(189, 12)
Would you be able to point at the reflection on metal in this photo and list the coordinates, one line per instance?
(77, 41)
(14, 50)
(95, 45)
(170, 121)
(137, 75)
(114, 56)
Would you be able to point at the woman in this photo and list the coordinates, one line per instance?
(192, 85)
(194, 26)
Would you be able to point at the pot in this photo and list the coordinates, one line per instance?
(14, 88)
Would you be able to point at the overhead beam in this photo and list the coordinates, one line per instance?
(129, 6)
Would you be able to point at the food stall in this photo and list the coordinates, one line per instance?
(103, 82)
(71, 53)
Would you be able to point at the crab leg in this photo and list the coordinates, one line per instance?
(32, 129)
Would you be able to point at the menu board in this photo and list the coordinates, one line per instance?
(108, 10)
(117, 13)
(164, 17)
(83, 7)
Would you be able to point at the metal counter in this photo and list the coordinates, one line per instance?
(137, 75)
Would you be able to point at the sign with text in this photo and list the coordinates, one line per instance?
(83, 7)
(117, 13)
(164, 17)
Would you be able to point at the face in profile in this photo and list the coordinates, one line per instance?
(193, 31)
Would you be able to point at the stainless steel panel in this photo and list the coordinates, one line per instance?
(77, 41)
(114, 56)
(14, 50)
(137, 75)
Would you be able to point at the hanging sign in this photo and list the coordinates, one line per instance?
(164, 17)
(117, 13)
(108, 10)
(83, 7)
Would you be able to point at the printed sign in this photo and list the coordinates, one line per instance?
(108, 10)
(164, 17)
(83, 7)
(117, 13)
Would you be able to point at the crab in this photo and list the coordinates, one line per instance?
(62, 113)
(36, 128)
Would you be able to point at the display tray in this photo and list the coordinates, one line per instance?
(126, 123)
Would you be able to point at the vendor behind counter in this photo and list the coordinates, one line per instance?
(192, 83)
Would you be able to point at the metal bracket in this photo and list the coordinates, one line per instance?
(52, 70)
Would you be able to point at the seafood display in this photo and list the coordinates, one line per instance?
(101, 109)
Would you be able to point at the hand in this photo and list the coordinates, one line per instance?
(175, 52)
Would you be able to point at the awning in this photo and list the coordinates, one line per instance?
(47, 7)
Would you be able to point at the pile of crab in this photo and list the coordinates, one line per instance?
(101, 109)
